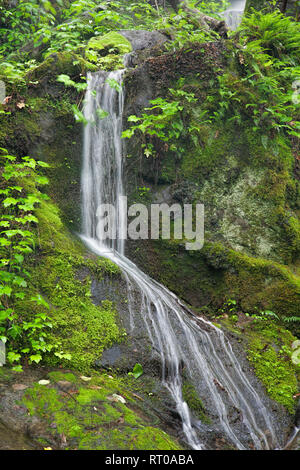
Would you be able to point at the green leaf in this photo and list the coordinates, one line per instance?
(101, 113)
(79, 116)
(114, 84)
(35, 358)
(10, 201)
(137, 371)
(5, 290)
(13, 357)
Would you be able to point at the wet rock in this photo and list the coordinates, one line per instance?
(144, 39)
(109, 358)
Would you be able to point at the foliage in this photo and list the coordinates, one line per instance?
(26, 339)
(212, 8)
(68, 28)
(232, 308)
(165, 121)
(66, 80)
(137, 371)
(24, 20)
(268, 56)
(183, 31)
(275, 34)
(32, 31)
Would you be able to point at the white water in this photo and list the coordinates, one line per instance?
(233, 15)
(178, 335)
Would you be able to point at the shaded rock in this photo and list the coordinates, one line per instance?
(109, 358)
(144, 39)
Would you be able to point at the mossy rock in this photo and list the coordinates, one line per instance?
(62, 273)
(97, 413)
(210, 276)
(58, 63)
(194, 403)
(249, 190)
(107, 51)
(81, 328)
(269, 350)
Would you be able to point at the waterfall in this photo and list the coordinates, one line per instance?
(179, 336)
(233, 15)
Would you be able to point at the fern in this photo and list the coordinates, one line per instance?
(292, 319)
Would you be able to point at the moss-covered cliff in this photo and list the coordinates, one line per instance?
(248, 183)
(250, 193)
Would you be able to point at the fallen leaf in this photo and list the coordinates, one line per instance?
(21, 105)
(7, 99)
(19, 387)
(85, 379)
(44, 382)
(65, 384)
(137, 396)
(95, 387)
(116, 398)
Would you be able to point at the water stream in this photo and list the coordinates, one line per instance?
(178, 335)
(233, 15)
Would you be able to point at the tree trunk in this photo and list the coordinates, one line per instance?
(200, 20)
(283, 6)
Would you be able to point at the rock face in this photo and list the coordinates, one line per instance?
(144, 39)
(71, 412)
(250, 217)
(249, 195)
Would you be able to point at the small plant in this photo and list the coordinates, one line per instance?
(143, 191)
(66, 80)
(292, 319)
(114, 84)
(27, 337)
(137, 371)
(268, 56)
(167, 120)
(265, 315)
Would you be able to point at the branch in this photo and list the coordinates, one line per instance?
(203, 21)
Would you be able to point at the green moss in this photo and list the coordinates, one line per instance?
(270, 353)
(59, 63)
(57, 376)
(90, 420)
(82, 328)
(258, 4)
(52, 234)
(147, 438)
(42, 400)
(6, 374)
(195, 404)
(62, 274)
(107, 51)
(269, 349)
(216, 273)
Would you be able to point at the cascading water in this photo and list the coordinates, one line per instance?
(233, 14)
(179, 336)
